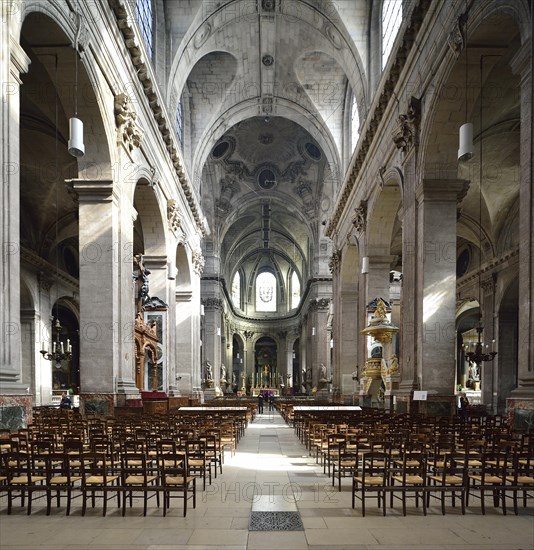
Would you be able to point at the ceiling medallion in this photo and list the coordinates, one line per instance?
(266, 179)
(202, 35)
(267, 60)
(266, 139)
(333, 36)
(268, 5)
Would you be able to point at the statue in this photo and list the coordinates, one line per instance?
(473, 371)
(223, 373)
(381, 312)
(309, 376)
(140, 276)
(234, 379)
(209, 371)
(322, 373)
(393, 365)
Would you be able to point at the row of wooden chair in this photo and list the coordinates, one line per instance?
(92, 475)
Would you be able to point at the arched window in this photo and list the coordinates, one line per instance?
(144, 12)
(354, 123)
(180, 123)
(265, 292)
(236, 290)
(295, 290)
(391, 21)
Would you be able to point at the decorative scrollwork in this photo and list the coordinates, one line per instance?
(174, 216)
(359, 219)
(126, 120)
(405, 135)
(335, 262)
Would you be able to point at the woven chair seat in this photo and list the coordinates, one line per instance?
(522, 480)
(99, 480)
(139, 480)
(410, 480)
(493, 480)
(370, 480)
(62, 480)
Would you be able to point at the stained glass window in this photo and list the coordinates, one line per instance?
(295, 290)
(265, 292)
(391, 21)
(144, 11)
(236, 290)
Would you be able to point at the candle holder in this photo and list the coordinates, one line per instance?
(58, 353)
(479, 356)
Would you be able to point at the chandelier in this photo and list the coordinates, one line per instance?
(57, 351)
(481, 352)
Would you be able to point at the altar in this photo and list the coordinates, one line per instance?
(266, 391)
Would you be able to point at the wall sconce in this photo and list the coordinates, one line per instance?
(218, 331)
(313, 331)
(202, 310)
(365, 265)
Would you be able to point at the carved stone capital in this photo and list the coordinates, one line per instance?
(319, 303)
(212, 303)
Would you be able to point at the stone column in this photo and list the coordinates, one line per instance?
(436, 283)
(14, 62)
(522, 65)
(409, 297)
(106, 300)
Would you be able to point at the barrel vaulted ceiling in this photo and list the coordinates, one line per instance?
(266, 83)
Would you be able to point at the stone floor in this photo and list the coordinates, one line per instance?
(271, 472)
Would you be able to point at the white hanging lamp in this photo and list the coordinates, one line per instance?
(76, 145)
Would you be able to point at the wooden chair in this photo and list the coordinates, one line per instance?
(373, 479)
(409, 478)
(175, 481)
(448, 478)
(347, 460)
(98, 480)
(521, 477)
(197, 463)
(491, 476)
(62, 476)
(23, 479)
(136, 477)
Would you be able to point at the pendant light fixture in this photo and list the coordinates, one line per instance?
(465, 151)
(76, 145)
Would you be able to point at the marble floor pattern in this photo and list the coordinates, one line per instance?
(271, 471)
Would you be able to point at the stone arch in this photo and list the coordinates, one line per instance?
(382, 216)
(52, 24)
(150, 221)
